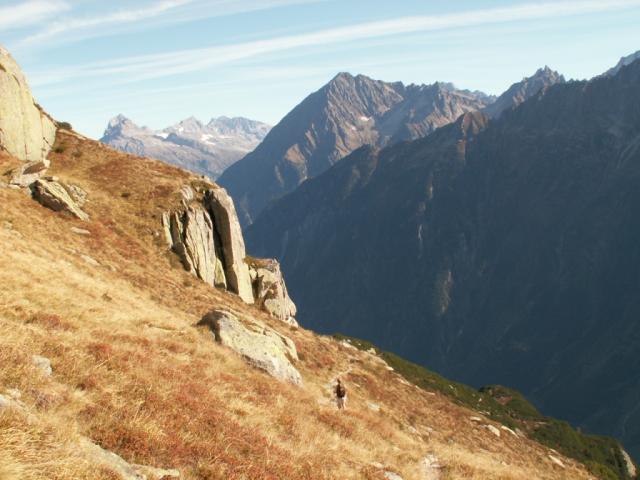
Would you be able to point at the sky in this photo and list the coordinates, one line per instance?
(160, 61)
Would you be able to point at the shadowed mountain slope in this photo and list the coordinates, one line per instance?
(343, 115)
(502, 250)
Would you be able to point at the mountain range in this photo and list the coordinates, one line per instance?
(202, 148)
(495, 249)
(348, 112)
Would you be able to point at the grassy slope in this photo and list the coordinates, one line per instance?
(600, 454)
(133, 373)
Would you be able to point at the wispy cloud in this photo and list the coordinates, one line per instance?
(29, 13)
(145, 67)
(165, 11)
(72, 25)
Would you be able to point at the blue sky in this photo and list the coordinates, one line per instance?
(159, 61)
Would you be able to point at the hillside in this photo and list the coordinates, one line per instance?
(493, 251)
(116, 315)
(120, 359)
(207, 149)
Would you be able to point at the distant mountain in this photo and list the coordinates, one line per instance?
(329, 124)
(504, 250)
(623, 62)
(519, 92)
(206, 149)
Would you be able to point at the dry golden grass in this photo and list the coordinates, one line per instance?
(134, 374)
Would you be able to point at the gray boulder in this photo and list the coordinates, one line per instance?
(270, 290)
(53, 195)
(258, 344)
(227, 226)
(26, 131)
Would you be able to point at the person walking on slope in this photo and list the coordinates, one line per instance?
(341, 395)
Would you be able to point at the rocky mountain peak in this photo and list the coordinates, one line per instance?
(205, 149)
(623, 62)
(528, 87)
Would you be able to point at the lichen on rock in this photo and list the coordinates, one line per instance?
(258, 344)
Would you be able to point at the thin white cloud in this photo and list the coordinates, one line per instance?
(28, 13)
(71, 25)
(145, 67)
(166, 11)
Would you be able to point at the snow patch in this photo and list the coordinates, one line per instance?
(206, 138)
(162, 135)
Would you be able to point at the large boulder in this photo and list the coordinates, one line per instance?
(53, 195)
(26, 131)
(258, 344)
(191, 235)
(227, 226)
(270, 291)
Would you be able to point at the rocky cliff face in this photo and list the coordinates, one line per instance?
(26, 131)
(207, 149)
(206, 235)
(342, 116)
(488, 249)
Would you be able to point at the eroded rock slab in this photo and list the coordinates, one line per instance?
(258, 344)
(227, 226)
(53, 195)
(28, 173)
(192, 237)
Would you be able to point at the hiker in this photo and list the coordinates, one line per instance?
(341, 395)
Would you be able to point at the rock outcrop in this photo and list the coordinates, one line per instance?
(258, 344)
(26, 131)
(206, 234)
(192, 237)
(223, 212)
(54, 195)
(270, 291)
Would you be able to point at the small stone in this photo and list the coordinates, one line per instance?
(556, 460)
(431, 467)
(373, 406)
(89, 260)
(80, 231)
(493, 430)
(13, 393)
(391, 476)
(43, 364)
